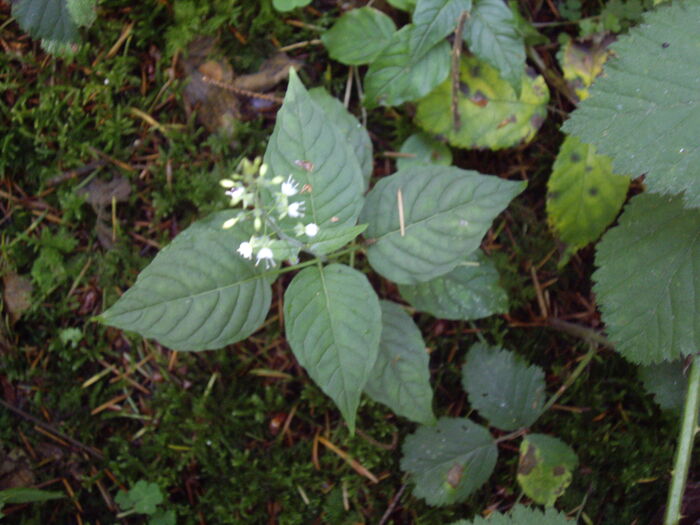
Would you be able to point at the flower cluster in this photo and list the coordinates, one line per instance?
(243, 188)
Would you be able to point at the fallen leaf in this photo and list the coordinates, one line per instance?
(16, 294)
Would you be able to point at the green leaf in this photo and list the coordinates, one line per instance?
(490, 113)
(492, 35)
(398, 75)
(400, 378)
(198, 293)
(333, 324)
(446, 213)
(355, 134)
(434, 20)
(425, 150)
(328, 241)
(163, 517)
(521, 515)
(82, 12)
(648, 281)
(48, 19)
(584, 194)
(143, 498)
(367, 25)
(667, 382)
(470, 291)
(449, 461)
(308, 146)
(289, 5)
(502, 387)
(27, 495)
(545, 468)
(645, 111)
(404, 5)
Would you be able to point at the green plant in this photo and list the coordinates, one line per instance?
(646, 280)
(56, 23)
(26, 495)
(144, 498)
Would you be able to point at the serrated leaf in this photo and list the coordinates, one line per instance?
(582, 61)
(667, 382)
(446, 213)
(492, 35)
(521, 515)
(400, 378)
(333, 324)
(198, 293)
(470, 291)
(645, 111)
(449, 461)
(584, 195)
(425, 150)
(398, 75)
(545, 468)
(502, 387)
(367, 25)
(490, 114)
(328, 241)
(49, 19)
(349, 126)
(647, 282)
(434, 20)
(308, 146)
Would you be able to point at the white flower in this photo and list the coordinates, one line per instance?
(311, 230)
(266, 255)
(236, 193)
(296, 210)
(290, 187)
(246, 250)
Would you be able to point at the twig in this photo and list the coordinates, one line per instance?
(392, 505)
(456, 55)
(38, 422)
(582, 332)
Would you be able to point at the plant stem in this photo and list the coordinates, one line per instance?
(685, 446)
(574, 375)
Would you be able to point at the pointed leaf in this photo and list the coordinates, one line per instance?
(198, 293)
(449, 461)
(545, 468)
(490, 114)
(470, 291)
(401, 375)
(521, 515)
(446, 213)
(502, 387)
(355, 134)
(307, 145)
(492, 35)
(584, 194)
(648, 281)
(434, 20)
(367, 25)
(328, 241)
(333, 324)
(645, 111)
(425, 150)
(398, 75)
